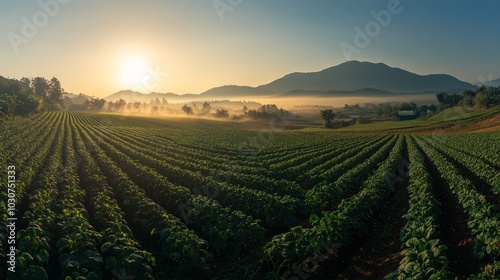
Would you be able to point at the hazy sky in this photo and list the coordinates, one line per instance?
(99, 47)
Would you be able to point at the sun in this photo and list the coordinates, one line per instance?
(133, 70)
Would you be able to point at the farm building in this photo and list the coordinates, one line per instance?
(407, 115)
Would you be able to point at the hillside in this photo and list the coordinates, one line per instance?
(354, 75)
(352, 78)
(133, 96)
(491, 83)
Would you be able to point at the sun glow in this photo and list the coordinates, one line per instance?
(133, 70)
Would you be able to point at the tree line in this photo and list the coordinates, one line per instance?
(28, 95)
(482, 97)
(200, 109)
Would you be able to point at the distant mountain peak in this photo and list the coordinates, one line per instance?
(354, 75)
(350, 76)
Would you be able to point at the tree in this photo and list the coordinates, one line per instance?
(267, 111)
(387, 110)
(26, 82)
(138, 105)
(448, 100)
(17, 97)
(408, 106)
(111, 106)
(120, 105)
(480, 100)
(206, 108)
(99, 104)
(468, 96)
(188, 110)
(7, 104)
(441, 97)
(327, 115)
(41, 87)
(221, 113)
(422, 110)
(54, 100)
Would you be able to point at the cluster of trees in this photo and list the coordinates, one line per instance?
(155, 106)
(389, 110)
(22, 97)
(205, 110)
(354, 108)
(98, 104)
(327, 115)
(267, 111)
(187, 109)
(482, 97)
(385, 110)
(158, 102)
(221, 113)
(94, 104)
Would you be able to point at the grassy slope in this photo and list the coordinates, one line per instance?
(454, 119)
(443, 120)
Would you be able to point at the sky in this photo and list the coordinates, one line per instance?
(100, 47)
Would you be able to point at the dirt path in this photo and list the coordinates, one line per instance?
(491, 124)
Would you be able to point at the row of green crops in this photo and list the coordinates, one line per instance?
(483, 221)
(484, 146)
(78, 245)
(274, 209)
(225, 230)
(119, 248)
(333, 230)
(424, 254)
(354, 171)
(27, 155)
(107, 196)
(479, 167)
(35, 241)
(181, 246)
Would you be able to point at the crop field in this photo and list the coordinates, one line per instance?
(97, 196)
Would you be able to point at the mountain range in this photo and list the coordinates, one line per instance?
(491, 83)
(352, 78)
